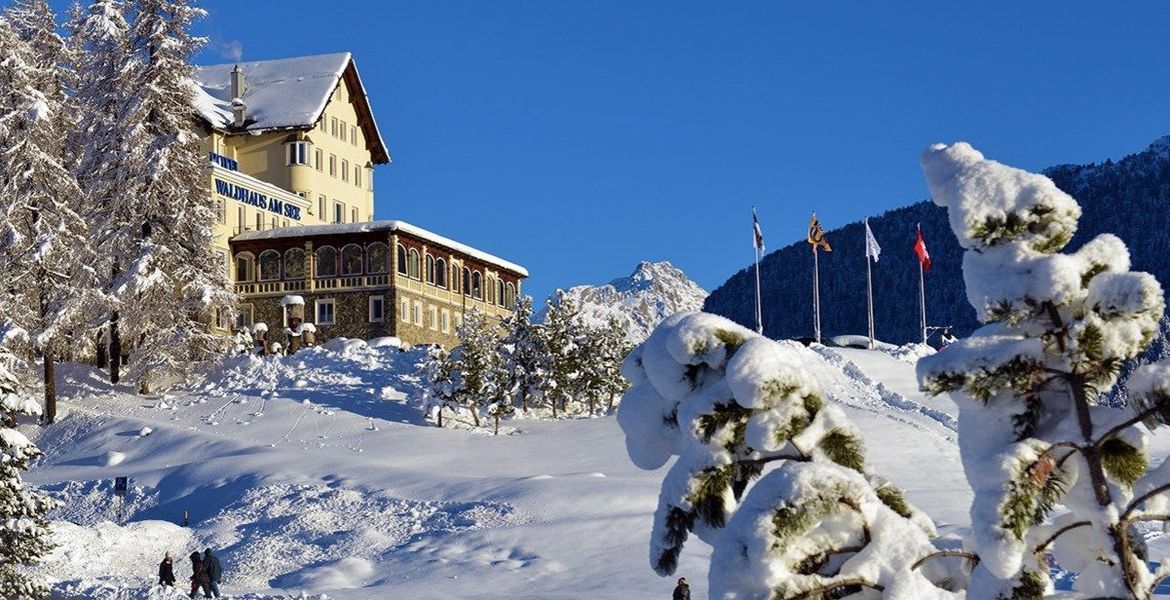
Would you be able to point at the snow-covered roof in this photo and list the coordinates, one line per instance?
(285, 93)
(389, 225)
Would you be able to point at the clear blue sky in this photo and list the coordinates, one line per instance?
(578, 138)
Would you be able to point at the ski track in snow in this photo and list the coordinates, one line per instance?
(889, 399)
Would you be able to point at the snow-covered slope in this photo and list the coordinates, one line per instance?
(642, 300)
(315, 472)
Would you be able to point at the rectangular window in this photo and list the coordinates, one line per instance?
(377, 308)
(333, 165)
(333, 126)
(221, 318)
(324, 123)
(357, 176)
(432, 318)
(338, 212)
(244, 316)
(445, 321)
(321, 206)
(404, 313)
(353, 137)
(275, 223)
(325, 312)
(318, 159)
(353, 218)
(241, 219)
(221, 210)
(259, 221)
(370, 180)
(345, 170)
(416, 316)
(223, 261)
(298, 153)
(341, 127)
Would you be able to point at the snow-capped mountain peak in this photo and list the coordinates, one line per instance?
(651, 293)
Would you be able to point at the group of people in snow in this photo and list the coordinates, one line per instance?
(206, 573)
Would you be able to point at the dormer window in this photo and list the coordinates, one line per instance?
(298, 152)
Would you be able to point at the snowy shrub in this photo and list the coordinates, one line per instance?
(767, 472)
(1057, 474)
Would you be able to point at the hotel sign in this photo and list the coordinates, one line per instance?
(257, 199)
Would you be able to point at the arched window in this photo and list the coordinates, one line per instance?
(326, 261)
(510, 295)
(402, 260)
(351, 260)
(412, 263)
(430, 270)
(500, 293)
(466, 280)
(477, 285)
(490, 291)
(377, 258)
(269, 265)
(245, 266)
(441, 273)
(294, 263)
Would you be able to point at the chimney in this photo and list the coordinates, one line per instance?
(239, 87)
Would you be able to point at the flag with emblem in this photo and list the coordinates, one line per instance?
(816, 235)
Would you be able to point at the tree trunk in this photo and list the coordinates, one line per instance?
(497, 432)
(554, 405)
(115, 350)
(475, 414)
(50, 389)
(592, 405)
(102, 358)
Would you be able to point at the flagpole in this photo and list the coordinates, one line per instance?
(759, 303)
(816, 296)
(922, 299)
(869, 296)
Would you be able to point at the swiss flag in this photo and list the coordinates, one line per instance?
(920, 250)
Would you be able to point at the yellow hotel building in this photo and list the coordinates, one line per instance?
(293, 144)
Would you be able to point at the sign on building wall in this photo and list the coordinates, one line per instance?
(257, 199)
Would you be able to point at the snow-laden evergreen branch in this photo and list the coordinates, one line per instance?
(1054, 472)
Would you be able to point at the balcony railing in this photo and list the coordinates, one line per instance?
(344, 282)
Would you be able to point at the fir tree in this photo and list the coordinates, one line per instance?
(104, 94)
(170, 284)
(565, 338)
(606, 347)
(1034, 433)
(727, 403)
(24, 531)
(525, 356)
(438, 385)
(45, 256)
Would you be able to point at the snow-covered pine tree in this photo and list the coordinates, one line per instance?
(727, 402)
(565, 338)
(103, 95)
(45, 256)
(24, 532)
(606, 349)
(525, 356)
(1032, 434)
(438, 384)
(477, 374)
(172, 286)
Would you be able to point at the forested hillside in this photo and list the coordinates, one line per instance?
(1130, 197)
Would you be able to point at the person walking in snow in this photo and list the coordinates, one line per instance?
(682, 591)
(214, 571)
(166, 571)
(199, 579)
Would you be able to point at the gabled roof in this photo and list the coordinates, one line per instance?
(401, 226)
(286, 94)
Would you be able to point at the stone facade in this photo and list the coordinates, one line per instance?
(424, 286)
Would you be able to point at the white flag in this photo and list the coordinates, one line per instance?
(872, 249)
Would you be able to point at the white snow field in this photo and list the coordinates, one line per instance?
(317, 474)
